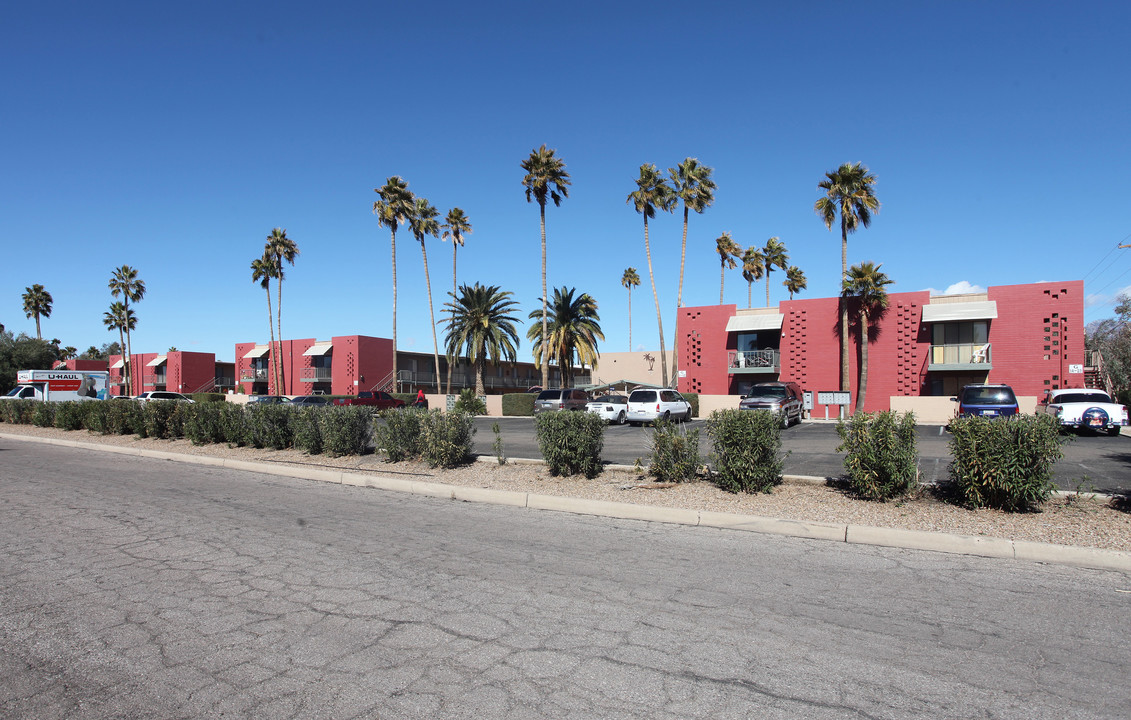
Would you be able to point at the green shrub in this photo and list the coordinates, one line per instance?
(269, 426)
(234, 424)
(208, 397)
(399, 433)
(202, 424)
(69, 415)
(470, 403)
(164, 419)
(747, 450)
(447, 438)
(692, 398)
(675, 452)
(346, 430)
(94, 416)
(518, 404)
(1004, 463)
(571, 442)
(123, 417)
(44, 414)
(881, 457)
(305, 425)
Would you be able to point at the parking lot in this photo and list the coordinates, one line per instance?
(1091, 463)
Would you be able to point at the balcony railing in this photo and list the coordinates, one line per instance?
(225, 382)
(253, 375)
(466, 379)
(316, 375)
(961, 357)
(156, 379)
(754, 361)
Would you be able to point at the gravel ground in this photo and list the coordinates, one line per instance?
(1074, 520)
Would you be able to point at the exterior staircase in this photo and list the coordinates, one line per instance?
(1095, 374)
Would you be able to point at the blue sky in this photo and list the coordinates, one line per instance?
(173, 138)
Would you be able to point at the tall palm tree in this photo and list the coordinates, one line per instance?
(752, 269)
(773, 255)
(262, 270)
(455, 226)
(282, 249)
(691, 184)
(545, 178)
(125, 282)
(37, 303)
(652, 193)
(866, 284)
(574, 327)
(120, 318)
(849, 192)
(481, 325)
(728, 250)
(630, 280)
(794, 280)
(392, 208)
(68, 352)
(424, 223)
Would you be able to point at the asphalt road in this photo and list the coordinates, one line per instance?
(1091, 462)
(138, 588)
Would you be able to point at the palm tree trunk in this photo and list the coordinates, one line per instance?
(722, 278)
(431, 315)
(767, 286)
(279, 317)
(122, 351)
(454, 290)
(679, 300)
(479, 390)
(38, 334)
(630, 318)
(394, 243)
(749, 294)
(129, 345)
(656, 298)
(863, 390)
(545, 324)
(274, 360)
(844, 379)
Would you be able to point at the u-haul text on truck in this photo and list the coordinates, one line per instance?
(61, 385)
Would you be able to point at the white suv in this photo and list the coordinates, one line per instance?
(162, 395)
(649, 405)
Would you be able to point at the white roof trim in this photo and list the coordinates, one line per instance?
(319, 348)
(743, 323)
(256, 352)
(948, 312)
(119, 363)
(159, 360)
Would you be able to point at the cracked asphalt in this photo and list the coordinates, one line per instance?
(140, 588)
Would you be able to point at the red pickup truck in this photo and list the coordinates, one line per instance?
(377, 399)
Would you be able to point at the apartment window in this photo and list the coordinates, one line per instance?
(961, 333)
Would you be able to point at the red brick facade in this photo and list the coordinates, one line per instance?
(352, 363)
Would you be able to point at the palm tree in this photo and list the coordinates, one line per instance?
(752, 269)
(728, 250)
(545, 178)
(630, 280)
(393, 208)
(68, 352)
(455, 226)
(866, 283)
(262, 270)
(481, 325)
(37, 303)
(574, 327)
(773, 255)
(652, 193)
(794, 280)
(691, 184)
(281, 249)
(423, 223)
(125, 282)
(120, 318)
(849, 192)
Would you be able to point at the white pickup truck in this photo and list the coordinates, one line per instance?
(1085, 409)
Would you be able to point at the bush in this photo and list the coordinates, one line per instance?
(202, 424)
(209, 397)
(747, 450)
(19, 412)
(881, 458)
(571, 442)
(399, 433)
(470, 403)
(1004, 463)
(269, 426)
(518, 404)
(123, 417)
(447, 438)
(69, 415)
(234, 424)
(43, 415)
(164, 419)
(94, 416)
(305, 425)
(346, 430)
(692, 398)
(675, 452)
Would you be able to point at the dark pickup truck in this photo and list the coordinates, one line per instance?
(377, 399)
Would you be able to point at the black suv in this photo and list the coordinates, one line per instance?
(986, 401)
(782, 398)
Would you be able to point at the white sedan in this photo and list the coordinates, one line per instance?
(613, 408)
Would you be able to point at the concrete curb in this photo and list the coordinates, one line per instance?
(1084, 557)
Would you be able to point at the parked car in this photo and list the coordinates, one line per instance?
(781, 398)
(559, 399)
(162, 395)
(309, 401)
(650, 405)
(1085, 409)
(372, 398)
(613, 408)
(986, 401)
(266, 399)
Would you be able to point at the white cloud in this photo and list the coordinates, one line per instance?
(1102, 299)
(959, 288)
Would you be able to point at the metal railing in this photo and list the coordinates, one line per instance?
(315, 374)
(254, 375)
(768, 360)
(466, 379)
(156, 379)
(964, 354)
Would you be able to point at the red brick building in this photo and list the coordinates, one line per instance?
(339, 366)
(1028, 336)
(177, 371)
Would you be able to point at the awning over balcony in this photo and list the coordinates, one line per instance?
(159, 360)
(256, 352)
(750, 323)
(118, 364)
(951, 312)
(319, 348)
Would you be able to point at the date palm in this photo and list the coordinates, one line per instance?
(546, 178)
(849, 192)
(653, 193)
(866, 283)
(630, 280)
(37, 303)
(752, 269)
(262, 270)
(574, 327)
(423, 223)
(282, 249)
(728, 250)
(773, 255)
(455, 226)
(482, 327)
(125, 282)
(393, 208)
(794, 280)
(120, 318)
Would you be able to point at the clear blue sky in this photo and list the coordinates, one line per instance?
(174, 137)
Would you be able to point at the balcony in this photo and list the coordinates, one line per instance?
(155, 380)
(253, 375)
(970, 356)
(754, 362)
(225, 382)
(316, 375)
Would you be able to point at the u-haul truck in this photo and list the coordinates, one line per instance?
(61, 385)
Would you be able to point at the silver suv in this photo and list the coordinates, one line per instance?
(781, 398)
(651, 405)
(559, 399)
